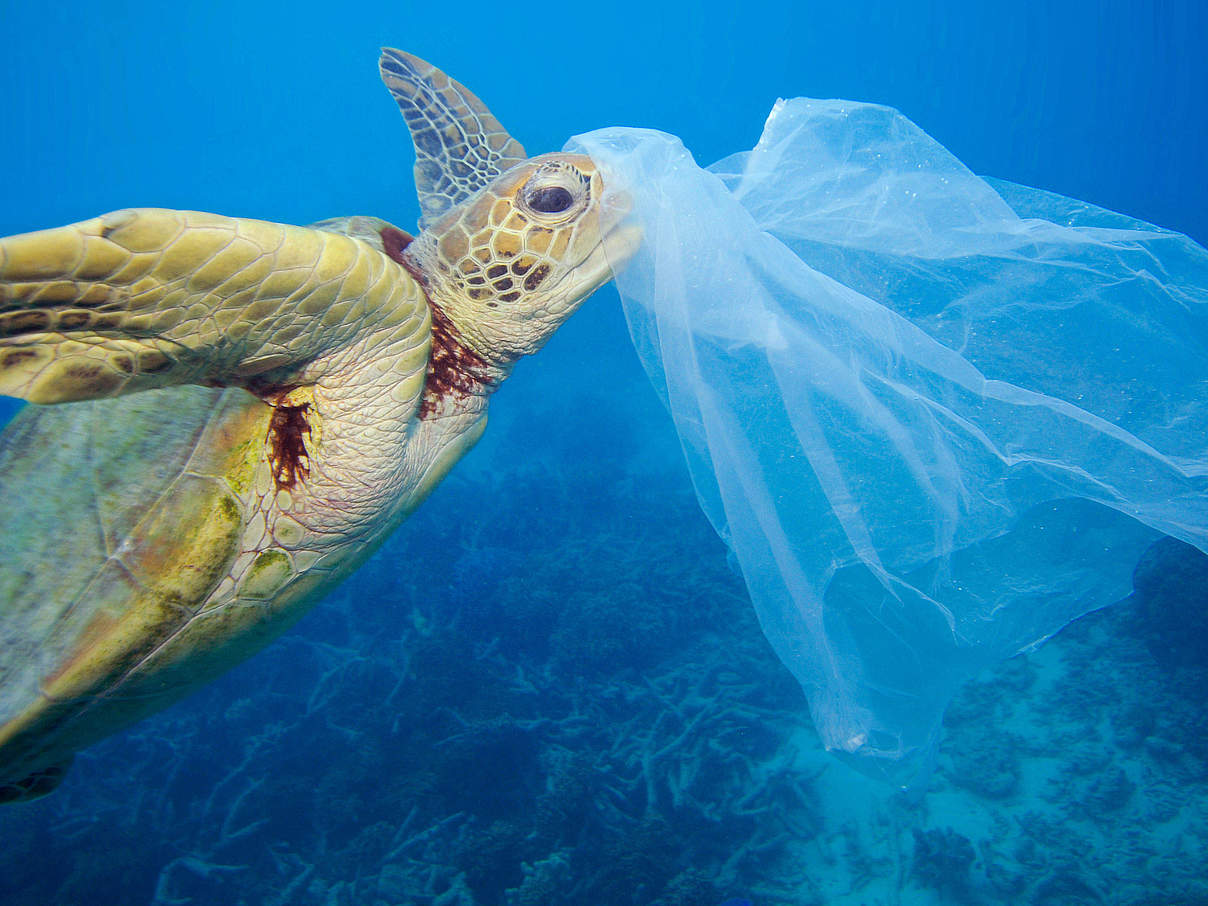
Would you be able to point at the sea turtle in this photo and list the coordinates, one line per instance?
(304, 389)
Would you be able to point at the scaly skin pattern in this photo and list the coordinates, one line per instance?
(359, 366)
(506, 274)
(147, 298)
(459, 146)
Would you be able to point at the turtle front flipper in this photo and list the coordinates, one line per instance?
(459, 145)
(148, 298)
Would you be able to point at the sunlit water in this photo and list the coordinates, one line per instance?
(549, 687)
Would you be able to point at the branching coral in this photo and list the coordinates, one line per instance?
(578, 707)
(942, 860)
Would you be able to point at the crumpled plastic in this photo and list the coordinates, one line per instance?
(935, 417)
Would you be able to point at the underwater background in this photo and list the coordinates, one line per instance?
(549, 687)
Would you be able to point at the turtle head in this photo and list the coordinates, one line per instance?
(513, 262)
(510, 245)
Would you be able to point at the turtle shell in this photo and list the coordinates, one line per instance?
(119, 518)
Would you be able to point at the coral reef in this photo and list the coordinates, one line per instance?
(574, 704)
(538, 727)
(942, 861)
(1171, 605)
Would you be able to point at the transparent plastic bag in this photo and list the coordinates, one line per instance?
(935, 417)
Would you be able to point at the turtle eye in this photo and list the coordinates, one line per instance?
(550, 199)
(554, 194)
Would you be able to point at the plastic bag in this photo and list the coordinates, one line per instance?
(934, 417)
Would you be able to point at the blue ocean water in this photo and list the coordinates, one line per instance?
(549, 687)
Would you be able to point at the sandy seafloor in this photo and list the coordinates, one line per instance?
(549, 687)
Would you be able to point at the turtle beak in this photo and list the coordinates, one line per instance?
(619, 239)
(620, 236)
(620, 244)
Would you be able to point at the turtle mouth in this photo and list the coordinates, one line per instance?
(620, 244)
(620, 234)
(620, 237)
(605, 260)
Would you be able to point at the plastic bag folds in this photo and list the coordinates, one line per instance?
(935, 417)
